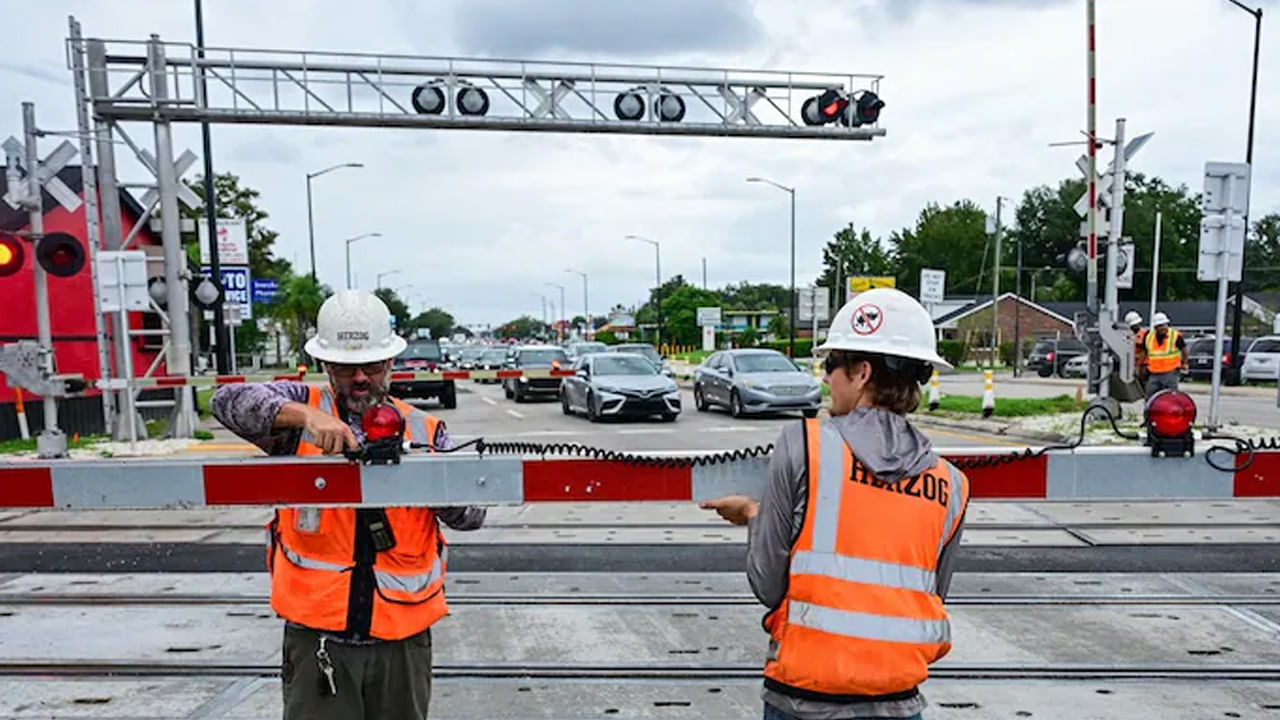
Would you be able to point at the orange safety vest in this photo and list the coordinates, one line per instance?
(1140, 349)
(312, 555)
(862, 618)
(1163, 357)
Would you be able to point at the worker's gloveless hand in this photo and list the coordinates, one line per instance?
(331, 435)
(737, 509)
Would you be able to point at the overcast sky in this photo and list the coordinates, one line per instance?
(479, 221)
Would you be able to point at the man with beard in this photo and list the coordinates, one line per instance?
(359, 588)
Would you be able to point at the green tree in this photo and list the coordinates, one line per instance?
(680, 311)
(953, 238)
(435, 319)
(854, 253)
(749, 338)
(520, 328)
(755, 296)
(779, 328)
(300, 300)
(1262, 254)
(233, 200)
(399, 310)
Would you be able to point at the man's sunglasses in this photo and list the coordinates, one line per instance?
(346, 371)
(921, 371)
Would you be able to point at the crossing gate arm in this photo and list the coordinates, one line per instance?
(1096, 473)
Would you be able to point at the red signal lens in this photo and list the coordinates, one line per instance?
(1170, 413)
(11, 256)
(382, 422)
(60, 254)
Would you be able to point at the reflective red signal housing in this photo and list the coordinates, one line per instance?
(1169, 415)
(382, 422)
(12, 255)
(60, 254)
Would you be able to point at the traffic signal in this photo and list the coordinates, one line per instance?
(472, 101)
(60, 254)
(629, 105)
(824, 108)
(428, 99)
(866, 109)
(11, 255)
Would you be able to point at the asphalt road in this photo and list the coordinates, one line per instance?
(484, 410)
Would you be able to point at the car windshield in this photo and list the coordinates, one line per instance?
(763, 362)
(1265, 346)
(494, 357)
(646, 350)
(624, 365)
(421, 351)
(470, 354)
(543, 357)
(591, 347)
(1204, 346)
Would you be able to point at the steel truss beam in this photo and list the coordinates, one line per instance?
(371, 90)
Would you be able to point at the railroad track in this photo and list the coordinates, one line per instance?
(703, 672)
(622, 599)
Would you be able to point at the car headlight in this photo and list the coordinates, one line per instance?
(524, 379)
(608, 389)
(673, 394)
(751, 385)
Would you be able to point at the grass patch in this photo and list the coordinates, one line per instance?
(18, 445)
(202, 434)
(693, 358)
(1011, 407)
(204, 400)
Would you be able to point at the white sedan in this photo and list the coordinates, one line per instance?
(1077, 366)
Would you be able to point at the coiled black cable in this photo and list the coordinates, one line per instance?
(1243, 446)
(1029, 454)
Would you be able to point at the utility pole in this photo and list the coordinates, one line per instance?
(51, 442)
(1236, 355)
(1155, 267)
(995, 290)
(1017, 314)
(1095, 341)
(704, 273)
(223, 352)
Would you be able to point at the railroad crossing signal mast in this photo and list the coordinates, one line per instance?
(159, 83)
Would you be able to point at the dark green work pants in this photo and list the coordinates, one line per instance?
(380, 681)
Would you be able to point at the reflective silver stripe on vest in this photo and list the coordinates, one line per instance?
(412, 584)
(326, 406)
(869, 627)
(954, 504)
(831, 480)
(309, 564)
(418, 428)
(860, 570)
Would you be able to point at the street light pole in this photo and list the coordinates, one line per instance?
(657, 278)
(223, 352)
(1236, 356)
(586, 310)
(563, 312)
(382, 275)
(791, 321)
(352, 240)
(311, 226)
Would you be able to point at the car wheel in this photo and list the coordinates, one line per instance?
(699, 401)
(813, 413)
(517, 395)
(506, 390)
(735, 405)
(449, 397)
(1044, 371)
(564, 403)
(593, 411)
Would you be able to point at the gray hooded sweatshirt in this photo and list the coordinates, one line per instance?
(892, 449)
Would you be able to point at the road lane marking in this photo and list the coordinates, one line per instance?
(490, 400)
(515, 414)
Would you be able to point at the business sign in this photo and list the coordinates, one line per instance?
(265, 291)
(933, 285)
(236, 289)
(233, 242)
(709, 317)
(863, 283)
(622, 319)
(813, 301)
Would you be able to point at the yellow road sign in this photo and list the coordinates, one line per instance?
(863, 283)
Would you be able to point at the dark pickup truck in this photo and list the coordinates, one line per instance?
(423, 356)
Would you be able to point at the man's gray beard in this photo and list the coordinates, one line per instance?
(359, 406)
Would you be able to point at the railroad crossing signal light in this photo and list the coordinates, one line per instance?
(867, 109)
(629, 106)
(472, 101)
(669, 107)
(824, 108)
(428, 99)
(1169, 415)
(11, 255)
(60, 254)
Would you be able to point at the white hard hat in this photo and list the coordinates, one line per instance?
(1133, 318)
(1159, 319)
(354, 327)
(884, 321)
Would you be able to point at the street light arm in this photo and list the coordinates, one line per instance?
(767, 181)
(1246, 8)
(335, 167)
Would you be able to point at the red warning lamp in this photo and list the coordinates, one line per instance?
(11, 255)
(824, 108)
(381, 423)
(60, 254)
(1169, 416)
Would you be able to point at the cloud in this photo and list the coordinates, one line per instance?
(614, 28)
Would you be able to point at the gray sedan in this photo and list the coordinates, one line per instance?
(755, 381)
(608, 385)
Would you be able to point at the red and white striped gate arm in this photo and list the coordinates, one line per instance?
(458, 479)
